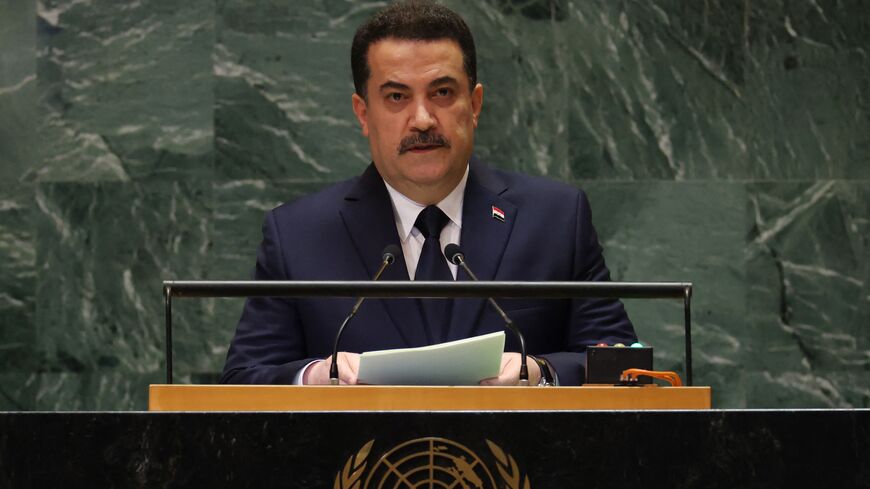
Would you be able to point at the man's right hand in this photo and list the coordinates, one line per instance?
(348, 369)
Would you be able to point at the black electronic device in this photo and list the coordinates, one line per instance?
(605, 364)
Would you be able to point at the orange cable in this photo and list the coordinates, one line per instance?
(666, 375)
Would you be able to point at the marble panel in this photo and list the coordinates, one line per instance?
(17, 279)
(18, 391)
(103, 251)
(17, 87)
(682, 232)
(798, 73)
(102, 390)
(669, 90)
(125, 89)
(283, 90)
(808, 265)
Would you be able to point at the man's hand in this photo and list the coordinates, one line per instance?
(348, 369)
(510, 371)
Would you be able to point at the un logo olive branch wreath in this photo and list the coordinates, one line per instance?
(354, 468)
(351, 475)
(508, 468)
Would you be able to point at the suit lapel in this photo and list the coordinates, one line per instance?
(368, 216)
(483, 240)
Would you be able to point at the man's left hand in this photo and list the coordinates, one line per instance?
(510, 371)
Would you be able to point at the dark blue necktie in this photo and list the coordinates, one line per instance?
(433, 266)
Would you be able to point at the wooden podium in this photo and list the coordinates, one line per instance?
(175, 397)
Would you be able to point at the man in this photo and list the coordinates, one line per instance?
(418, 102)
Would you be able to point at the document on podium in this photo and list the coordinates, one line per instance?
(461, 362)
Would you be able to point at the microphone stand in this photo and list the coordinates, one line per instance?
(459, 259)
(388, 259)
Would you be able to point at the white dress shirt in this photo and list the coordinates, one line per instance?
(405, 211)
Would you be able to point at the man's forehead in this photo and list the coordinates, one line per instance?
(392, 57)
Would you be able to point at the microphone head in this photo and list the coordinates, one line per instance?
(391, 251)
(454, 253)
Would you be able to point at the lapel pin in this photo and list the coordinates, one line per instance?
(497, 213)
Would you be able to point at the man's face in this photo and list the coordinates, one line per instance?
(419, 115)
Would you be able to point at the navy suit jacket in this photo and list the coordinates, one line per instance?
(340, 233)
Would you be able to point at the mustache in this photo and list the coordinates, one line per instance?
(422, 139)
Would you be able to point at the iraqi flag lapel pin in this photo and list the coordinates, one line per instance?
(497, 213)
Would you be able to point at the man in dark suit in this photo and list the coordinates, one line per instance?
(418, 102)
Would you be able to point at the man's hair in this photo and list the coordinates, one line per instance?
(414, 20)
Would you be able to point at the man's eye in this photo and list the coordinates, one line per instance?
(395, 97)
(443, 92)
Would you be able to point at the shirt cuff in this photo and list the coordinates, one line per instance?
(300, 375)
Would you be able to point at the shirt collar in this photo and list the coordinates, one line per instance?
(406, 210)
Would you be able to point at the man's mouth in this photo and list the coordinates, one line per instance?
(423, 143)
(424, 148)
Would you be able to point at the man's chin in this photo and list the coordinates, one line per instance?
(427, 179)
(435, 163)
(426, 175)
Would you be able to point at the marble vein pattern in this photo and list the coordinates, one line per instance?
(676, 90)
(807, 302)
(124, 90)
(676, 232)
(17, 88)
(283, 89)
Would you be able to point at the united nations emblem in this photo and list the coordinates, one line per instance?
(427, 463)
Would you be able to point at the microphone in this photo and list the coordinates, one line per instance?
(388, 256)
(455, 256)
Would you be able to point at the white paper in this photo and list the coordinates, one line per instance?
(461, 362)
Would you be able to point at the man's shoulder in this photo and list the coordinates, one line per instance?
(526, 186)
(318, 203)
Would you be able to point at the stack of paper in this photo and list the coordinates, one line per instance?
(461, 362)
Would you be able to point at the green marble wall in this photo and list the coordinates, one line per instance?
(721, 142)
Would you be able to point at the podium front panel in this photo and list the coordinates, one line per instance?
(484, 450)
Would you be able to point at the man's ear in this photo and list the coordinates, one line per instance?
(361, 111)
(476, 102)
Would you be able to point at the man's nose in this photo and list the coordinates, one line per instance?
(422, 118)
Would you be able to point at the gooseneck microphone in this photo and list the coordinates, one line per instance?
(388, 256)
(455, 256)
